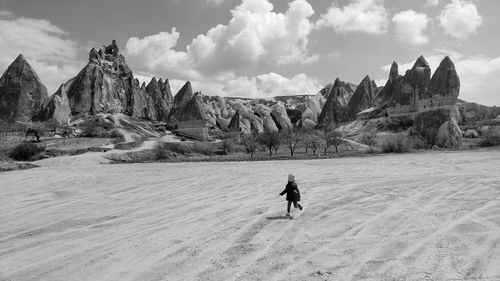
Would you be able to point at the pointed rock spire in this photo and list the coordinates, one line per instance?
(21, 92)
(361, 100)
(394, 72)
(445, 81)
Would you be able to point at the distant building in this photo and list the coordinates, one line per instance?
(437, 102)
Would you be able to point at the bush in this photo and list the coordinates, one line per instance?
(492, 138)
(397, 145)
(92, 129)
(25, 151)
(228, 146)
(162, 151)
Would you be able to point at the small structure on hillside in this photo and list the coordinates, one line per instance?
(436, 102)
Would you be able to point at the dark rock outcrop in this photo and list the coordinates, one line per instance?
(193, 110)
(159, 99)
(183, 96)
(102, 86)
(334, 109)
(385, 95)
(107, 85)
(444, 125)
(414, 85)
(56, 107)
(445, 81)
(234, 124)
(361, 100)
(21, 92)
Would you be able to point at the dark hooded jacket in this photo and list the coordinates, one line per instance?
(292, 192)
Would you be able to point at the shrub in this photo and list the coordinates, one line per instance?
(228, 146)
(162, 151)
(92, 129)
(25, 151)
(397, 145)
(491, 138)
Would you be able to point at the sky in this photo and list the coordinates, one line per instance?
(258, 48)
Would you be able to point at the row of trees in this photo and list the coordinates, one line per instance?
(294, 138)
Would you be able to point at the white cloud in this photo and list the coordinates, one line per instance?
(432, 2)
(410, 27)
(367, 16)
(263, 85)
(478, 74)
(255, 36)
(460, 19)
(48, 49)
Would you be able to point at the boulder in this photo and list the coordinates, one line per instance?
(21, 92)
(308, 124)
(313, 104)
(441, 121)
(264, 114)
(280, 116)
(309, 115)
(246, 113)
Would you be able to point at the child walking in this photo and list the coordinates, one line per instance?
(292, 194)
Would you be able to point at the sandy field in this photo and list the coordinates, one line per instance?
(421, 216)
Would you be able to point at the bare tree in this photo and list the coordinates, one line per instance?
(292, 138)
(314, 141)
(332, 137)
(271, 140)
(251, 143)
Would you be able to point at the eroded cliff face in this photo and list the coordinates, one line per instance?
(107, 85)
(21, 92)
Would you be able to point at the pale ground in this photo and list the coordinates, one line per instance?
(422, 216)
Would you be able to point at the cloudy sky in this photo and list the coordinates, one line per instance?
(259, 48)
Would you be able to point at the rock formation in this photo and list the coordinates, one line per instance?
(159, 99)
(21, 92)
(193, 110)
(107, 85)
(414, 85)
(445, 81)
(264, 114)
(183, 96)
(333, 110)
(443, 123)
(386, 94)
(280, 116)
(361, 99)
(56, 107)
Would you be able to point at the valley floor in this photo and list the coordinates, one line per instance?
(420, 216)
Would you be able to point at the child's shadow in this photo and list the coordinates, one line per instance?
(279, 218)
